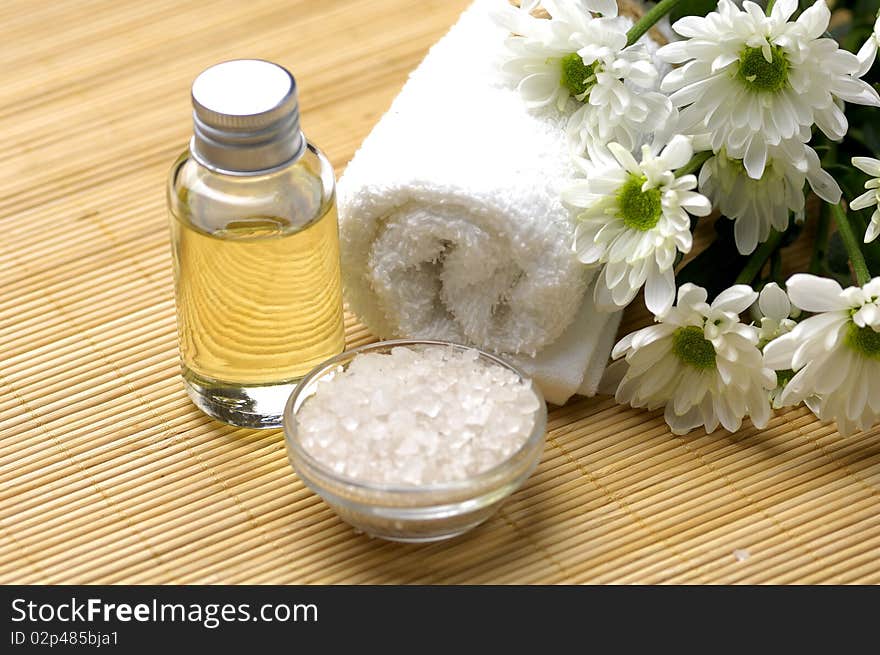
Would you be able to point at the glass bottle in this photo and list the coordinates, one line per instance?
(255, 246)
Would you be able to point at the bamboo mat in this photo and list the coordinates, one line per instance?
(109, 475)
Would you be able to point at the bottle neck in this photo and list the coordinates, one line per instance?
(243, 152)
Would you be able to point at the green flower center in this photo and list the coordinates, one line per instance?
(761, 75)
(577, 76)
(693, 349)
(735, 164)
(864, 340)
(639, 210)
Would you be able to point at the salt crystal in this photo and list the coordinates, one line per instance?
(407, 447)
(380, 403)
(478, 415)
(417, 416)
(411, 472)
(430, 407)
(403, 419)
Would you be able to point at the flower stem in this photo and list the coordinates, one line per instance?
(856, 258)
(820, 245)
(694, 165)
(647, 21)
(759, 258)
(776, 268)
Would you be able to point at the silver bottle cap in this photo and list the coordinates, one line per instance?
(245, 117)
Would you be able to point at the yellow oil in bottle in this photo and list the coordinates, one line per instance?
(257, 302)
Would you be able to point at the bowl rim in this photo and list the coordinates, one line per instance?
(536, 436)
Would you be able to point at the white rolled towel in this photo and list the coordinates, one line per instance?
(451, 221)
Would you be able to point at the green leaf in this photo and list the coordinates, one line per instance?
(871, 251)
(691, 8)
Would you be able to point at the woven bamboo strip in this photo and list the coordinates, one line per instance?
(135, 485)
(142, 35)
(318, 56)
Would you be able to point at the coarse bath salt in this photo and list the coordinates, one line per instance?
(417, 417)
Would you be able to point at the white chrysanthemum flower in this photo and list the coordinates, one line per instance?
(871, 196)
(541, 59)
(835, 355)
(868, 52)
(699, 361)
(635, 220)
(623, 104)
(760, 204)
(752, 80)
(542, 54)
(574, 55)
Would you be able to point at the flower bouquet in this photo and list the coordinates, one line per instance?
(760, 116)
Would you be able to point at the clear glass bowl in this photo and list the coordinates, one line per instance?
(409, 513)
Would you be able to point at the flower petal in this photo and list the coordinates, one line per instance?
(815, 19)
(690, 294)
(625, 158)
(873, 230)
(736, 299)
(660, 291)
(815, 294)
(866, 55)
(864, 201)
(868, 165)
(773, 302)
(677, 152)
(605, 7)
(868, 315)
(783, 10)
(778, 354)
(538, 89)
(756, 157)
